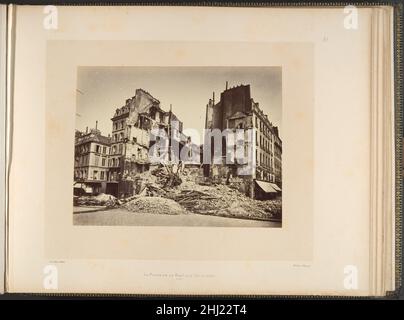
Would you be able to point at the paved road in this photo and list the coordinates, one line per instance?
(122, 217)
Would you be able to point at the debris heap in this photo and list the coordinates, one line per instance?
(100, 200)
(210, 199)
(221, 200)
(155, 205)
(169, 190)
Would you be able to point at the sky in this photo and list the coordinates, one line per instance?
(100, 90)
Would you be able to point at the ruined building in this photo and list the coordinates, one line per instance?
(237, 110)
(113, 164)
(131, 138)
(128, 146)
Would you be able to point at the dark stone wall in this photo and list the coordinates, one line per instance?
(236, 99)
(233, 100)
(217, 117)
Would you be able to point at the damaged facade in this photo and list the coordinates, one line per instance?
(114, 164)
(237, 110)
(128, 147)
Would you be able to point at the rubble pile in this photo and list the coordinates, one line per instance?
(156, 182)
(156, 205)
(168, 190)
(172, 190)
(221, 200)
(100, 200)
(168, 176)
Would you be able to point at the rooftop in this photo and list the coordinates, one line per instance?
(93, 136)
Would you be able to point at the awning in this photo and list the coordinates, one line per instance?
(266, 187)
(80, 185)
(275, 186)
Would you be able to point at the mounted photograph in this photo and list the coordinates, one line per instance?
(178, 146)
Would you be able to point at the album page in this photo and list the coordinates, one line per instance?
(119, 182)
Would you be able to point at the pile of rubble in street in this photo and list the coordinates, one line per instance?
(222, 200)
(188, 196)
(155, 205)
(102, 199)
(169, 190)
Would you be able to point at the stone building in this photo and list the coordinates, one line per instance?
(91, 161)
(277, 158)
(237, 110)
(131, 139)
(112, 164)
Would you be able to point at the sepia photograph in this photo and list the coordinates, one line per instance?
(178, 146)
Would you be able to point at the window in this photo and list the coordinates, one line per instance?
(97, 148)
(104, 150)
(95, 174)
(120, 149)
(103, 162)
(96, 160)
(102, 175)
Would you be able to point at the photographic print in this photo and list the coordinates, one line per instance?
(178, 146)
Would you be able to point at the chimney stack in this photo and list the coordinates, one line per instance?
(227, 84)
(86, 129)
(213, 98)
(96, 124)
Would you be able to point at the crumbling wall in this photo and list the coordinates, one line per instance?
(139, 136)
(227, 175)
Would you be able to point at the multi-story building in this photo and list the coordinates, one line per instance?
(91, 160)
(131, 139)
(112, 164)
(277, 158)
(237, 110)
(268, 144)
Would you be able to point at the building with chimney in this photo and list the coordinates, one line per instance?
(91, 155)
(237, 110)
(132, 139)
(112, 164)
